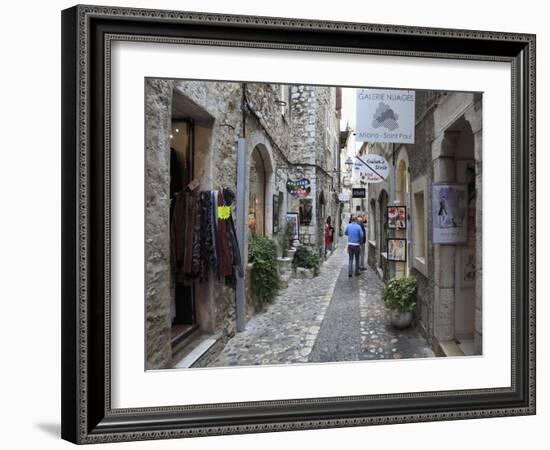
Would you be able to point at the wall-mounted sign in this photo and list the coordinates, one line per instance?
(385, 115)
(358, 192)
(343, 196)
(298, 188)
(371, 168)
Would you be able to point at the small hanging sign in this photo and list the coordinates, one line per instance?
(371, 168)
(298, 188)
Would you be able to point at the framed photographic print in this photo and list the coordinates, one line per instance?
(397, 217)
(397, 250)
(180, 128)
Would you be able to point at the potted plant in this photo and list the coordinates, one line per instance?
(264, 283)
(306, 258)
(399, 296)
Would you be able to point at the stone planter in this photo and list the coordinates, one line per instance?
(290, 253)
(285, 271)
(400, 319)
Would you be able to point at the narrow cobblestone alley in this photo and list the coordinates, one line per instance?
(328, 318)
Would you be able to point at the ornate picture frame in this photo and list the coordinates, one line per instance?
(88, 415)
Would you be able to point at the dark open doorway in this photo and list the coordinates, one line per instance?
(183, 310)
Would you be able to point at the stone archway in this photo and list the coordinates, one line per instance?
(260, 185)
(457, 297)
(402, 198)
(383, 199)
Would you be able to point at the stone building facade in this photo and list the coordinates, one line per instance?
(192, 127)
(447, 149)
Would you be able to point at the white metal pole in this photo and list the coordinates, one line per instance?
(241, 230)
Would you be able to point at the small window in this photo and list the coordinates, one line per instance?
(420, 225)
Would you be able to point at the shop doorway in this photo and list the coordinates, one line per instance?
(183, 310)
(382, 245)
(257, 197)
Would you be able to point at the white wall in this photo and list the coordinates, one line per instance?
(30, 229)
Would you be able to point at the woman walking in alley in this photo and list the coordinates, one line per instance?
(329, 233)
(355, 238)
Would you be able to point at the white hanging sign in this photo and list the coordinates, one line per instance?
(385, 115)
(343, 196)
(371, 168)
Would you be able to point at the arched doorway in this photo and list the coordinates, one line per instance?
(257, 194)
(465, 254)
(456, 271)
(383, 233)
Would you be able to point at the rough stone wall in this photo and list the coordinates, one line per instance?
(313, 111)
(420, 164)
(303, 117)
(157, 209)
(263, 98)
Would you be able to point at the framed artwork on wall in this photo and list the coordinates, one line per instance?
(397, 217)
(397, 250)
(121, 65)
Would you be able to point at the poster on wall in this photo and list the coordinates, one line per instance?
(397, 217)
(467, 276)
(292, 218)
(466, 173)
(449, 213)
(397, 250)
(306, 211)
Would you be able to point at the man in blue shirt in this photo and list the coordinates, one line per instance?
(355, 238)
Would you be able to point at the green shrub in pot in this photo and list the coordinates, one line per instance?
(305, 257)
(400, 294)
(262, 252)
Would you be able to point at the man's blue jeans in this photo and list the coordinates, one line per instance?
(353, 251)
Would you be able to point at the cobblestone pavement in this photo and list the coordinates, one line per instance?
(379, 339)
(286, 331)
(338, 319)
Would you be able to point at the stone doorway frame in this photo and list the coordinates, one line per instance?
(443, 162)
